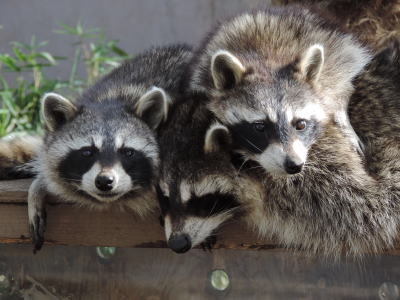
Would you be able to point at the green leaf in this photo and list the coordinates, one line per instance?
(48, 57)
(118, 50)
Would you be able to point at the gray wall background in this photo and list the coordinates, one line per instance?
(137, 24)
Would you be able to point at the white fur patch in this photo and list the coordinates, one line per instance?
(200, 228)
(167, 227)
(185, 191)
(301, 152)
(289, 114)
(311, 110)
(122, 182)
(211, 185)
(164, 188)
(272, 159)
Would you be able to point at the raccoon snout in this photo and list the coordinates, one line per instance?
(291, 167)
(105, 183)
(180, 243)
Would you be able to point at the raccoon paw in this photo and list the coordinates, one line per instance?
(209, 242)
(38, 228)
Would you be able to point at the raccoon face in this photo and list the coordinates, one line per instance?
(194, 206)
(192, 211)
(100, 151)
(274, 119)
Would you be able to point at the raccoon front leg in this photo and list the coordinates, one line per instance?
(37, 213)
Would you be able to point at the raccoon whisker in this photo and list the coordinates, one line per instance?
(241, 166)
(251, 143)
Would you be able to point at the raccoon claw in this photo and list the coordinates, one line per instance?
(38, 229)
(208, 244)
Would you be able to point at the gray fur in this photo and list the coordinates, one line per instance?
(340, 203)
(186, 171)
(112, 114)
(272, 46)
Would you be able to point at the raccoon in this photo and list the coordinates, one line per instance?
(378, 92)
(278, 54)
(319, 194)
(15, 155)
(197, 190)
(101, 150)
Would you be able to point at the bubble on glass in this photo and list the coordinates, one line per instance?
(4, 284)
(219, 280)
(389, 291)
(106, 252)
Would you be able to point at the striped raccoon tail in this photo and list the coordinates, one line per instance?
(17, 155)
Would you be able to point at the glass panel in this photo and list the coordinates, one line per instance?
(105, 273)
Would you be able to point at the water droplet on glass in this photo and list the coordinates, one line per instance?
(389, 291)
(219, 280)
(106, 252)
(4, 284)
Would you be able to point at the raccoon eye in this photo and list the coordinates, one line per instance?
(128, 152)
(87, 152)
(259, 126)
(300, 125)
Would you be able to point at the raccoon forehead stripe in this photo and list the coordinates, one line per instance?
(185, 191)
(97, 141)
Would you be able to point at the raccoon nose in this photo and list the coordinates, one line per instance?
(292, 168)
(104, 182)
(180, 243)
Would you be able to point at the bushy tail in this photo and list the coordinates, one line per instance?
(16, 156)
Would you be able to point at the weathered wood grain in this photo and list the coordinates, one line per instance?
(71, 225)
(14, 191)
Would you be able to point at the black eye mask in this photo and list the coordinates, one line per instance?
(210, 204)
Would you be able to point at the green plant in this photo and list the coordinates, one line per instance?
(24, 80)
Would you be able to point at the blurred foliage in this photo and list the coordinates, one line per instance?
(23, 79)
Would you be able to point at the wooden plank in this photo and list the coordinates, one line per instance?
(14, 191)
(70, 225)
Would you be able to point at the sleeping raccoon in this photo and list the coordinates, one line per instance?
(101, 150)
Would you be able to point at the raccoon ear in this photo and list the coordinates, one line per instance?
(311, 63)
(153, 107)
(57, 110)
(226, 70)
(217, 138)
